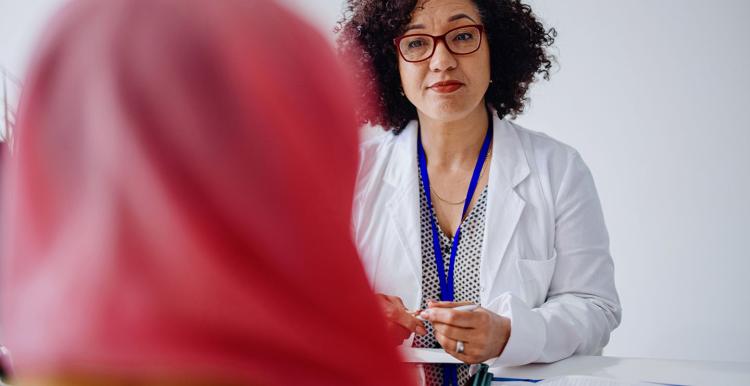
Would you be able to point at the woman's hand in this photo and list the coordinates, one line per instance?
(483, 333)
(401, 323)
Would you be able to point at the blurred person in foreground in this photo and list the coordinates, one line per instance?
(457, 204)
(178, 207)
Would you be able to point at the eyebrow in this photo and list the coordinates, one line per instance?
(450, 19)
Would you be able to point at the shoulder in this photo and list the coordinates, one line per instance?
(557, 166)
(389, 157)
(540, 146)
(374, 153)
(375, 141)
(547, 155)
(373, 189)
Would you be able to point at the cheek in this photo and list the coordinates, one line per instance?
(478, 67)
(478, 73)
(486, 64)
(411, 79)
(402, 75)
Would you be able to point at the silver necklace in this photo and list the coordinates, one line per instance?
(434, 192)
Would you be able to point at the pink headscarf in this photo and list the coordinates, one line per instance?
(178, 204)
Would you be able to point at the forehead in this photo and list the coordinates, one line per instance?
(436, 12)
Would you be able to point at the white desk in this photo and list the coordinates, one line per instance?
(636, 369)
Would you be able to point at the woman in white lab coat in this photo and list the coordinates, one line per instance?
(533, 249)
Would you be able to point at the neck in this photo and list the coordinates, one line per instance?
(454, 145)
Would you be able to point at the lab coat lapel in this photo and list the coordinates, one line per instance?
(508, 168)
(403, 207)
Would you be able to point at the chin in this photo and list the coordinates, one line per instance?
(448, 111)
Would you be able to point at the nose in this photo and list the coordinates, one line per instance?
(442, 59)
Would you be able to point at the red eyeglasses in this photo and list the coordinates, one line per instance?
(459, 41)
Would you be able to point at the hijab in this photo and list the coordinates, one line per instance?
(178, 202)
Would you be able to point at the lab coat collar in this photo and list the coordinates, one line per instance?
(508, 156)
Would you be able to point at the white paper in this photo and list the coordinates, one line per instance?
(585, 380)
(427, 355)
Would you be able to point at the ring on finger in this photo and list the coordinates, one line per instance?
(459, 347)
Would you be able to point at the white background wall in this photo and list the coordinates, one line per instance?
(654, 95)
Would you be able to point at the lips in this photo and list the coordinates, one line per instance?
(447, 86)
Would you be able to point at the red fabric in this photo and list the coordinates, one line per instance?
(179, 202)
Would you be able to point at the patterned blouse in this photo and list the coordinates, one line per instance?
(466, 273)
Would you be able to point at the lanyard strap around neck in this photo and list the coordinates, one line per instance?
(446, 282)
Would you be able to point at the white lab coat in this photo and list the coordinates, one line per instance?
(545, 261)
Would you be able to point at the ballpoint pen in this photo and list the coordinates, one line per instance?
(465, 307)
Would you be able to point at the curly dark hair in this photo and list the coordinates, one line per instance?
(519, 50)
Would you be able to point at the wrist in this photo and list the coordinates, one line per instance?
(504, 334)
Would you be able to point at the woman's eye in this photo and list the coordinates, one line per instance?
(416, 44)
(464, 36)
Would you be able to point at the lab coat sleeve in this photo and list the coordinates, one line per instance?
(582, 307)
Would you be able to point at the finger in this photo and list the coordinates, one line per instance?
(396, 312)
(395, 300)
(464, 319)
(442, 304)
(410, 322)
(455, 333)
(391, 307)
(450, 345)
(446, 343)
(389, 302)
(469, 354)
(397, 333)
(385, 302)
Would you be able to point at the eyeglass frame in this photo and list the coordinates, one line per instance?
(436, 39)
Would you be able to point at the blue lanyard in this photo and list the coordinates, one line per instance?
(450, 372)
(446, 282)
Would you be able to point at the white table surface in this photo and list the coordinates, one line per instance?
(666, 371)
